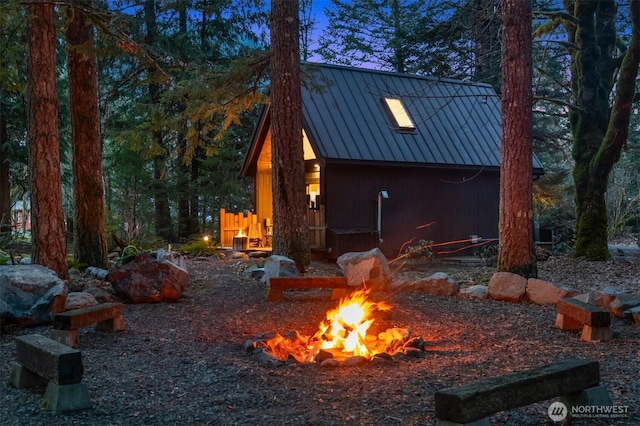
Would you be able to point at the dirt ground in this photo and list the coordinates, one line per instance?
(183, 363)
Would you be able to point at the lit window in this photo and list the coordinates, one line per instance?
(399, 114)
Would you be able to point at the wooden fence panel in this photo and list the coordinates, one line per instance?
(232, 223)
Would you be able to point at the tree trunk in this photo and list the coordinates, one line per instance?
(291, 232)
(5, 187)
(194, 202)
(90, 241)
(162, 218)
(183, 170)
(48, 227)
(184, 194)
(516, 253)
(600, 130)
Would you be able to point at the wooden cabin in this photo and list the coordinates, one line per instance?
(391, 159)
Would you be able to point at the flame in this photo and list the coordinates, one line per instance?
(345, 328)
(240, 234)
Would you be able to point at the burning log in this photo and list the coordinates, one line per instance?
(343, 337)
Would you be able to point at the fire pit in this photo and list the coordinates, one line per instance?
(240, 241)
(346, 336)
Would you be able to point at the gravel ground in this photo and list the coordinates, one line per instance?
(183, 363)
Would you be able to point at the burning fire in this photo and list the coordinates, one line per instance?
(344, 330)
(240, 234)
(344, 333)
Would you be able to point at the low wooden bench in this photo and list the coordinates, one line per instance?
(41, 361)
(106, 317)
(278, 284)
(574, 314)
(470, 404)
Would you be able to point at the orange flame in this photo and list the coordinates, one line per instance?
(345, 327)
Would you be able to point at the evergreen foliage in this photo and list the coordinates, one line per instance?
(210, 61)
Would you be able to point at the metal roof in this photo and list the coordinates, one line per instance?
(456, 123)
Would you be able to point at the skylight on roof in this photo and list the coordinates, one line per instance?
(399, 114)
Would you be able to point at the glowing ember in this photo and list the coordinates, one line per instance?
(342, 336)
(345, 328)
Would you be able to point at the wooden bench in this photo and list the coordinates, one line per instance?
(106, 317)
(574, 379)
(574, 314)
(41, 361)
(278, 284)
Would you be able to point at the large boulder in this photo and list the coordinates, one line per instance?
(544, 292)
(30, 294)
(507, 286)
(279, 266)
(147, 280)
(369, 268)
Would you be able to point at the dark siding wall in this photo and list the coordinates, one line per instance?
(459, 203)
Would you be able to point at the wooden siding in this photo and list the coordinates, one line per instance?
(317, 228)
(439, 205)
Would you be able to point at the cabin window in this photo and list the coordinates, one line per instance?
(399, 115)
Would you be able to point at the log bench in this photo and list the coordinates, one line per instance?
(106, 317)
(574, 314)
(41, 361)
(278, 284)
(577, 381)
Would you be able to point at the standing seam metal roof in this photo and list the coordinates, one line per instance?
(457, 123)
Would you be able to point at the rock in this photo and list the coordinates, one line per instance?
(622, 303)
(267, 358)
(413, 352)
(31, 294)
(249, 345)
(147, 280)
(330, 363)
(416, 342)
(79, 299)
(170, 257)
(635, 314)
(475, 291)
(98, 273)
(100, 295)
(353, 361)
(237, 255)
(369, 268)
(546, 293)
(255, 272)
(322, 356)
(604, 297)
(438, 284)
(279, 266)
(382, 359)
(507, 286)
